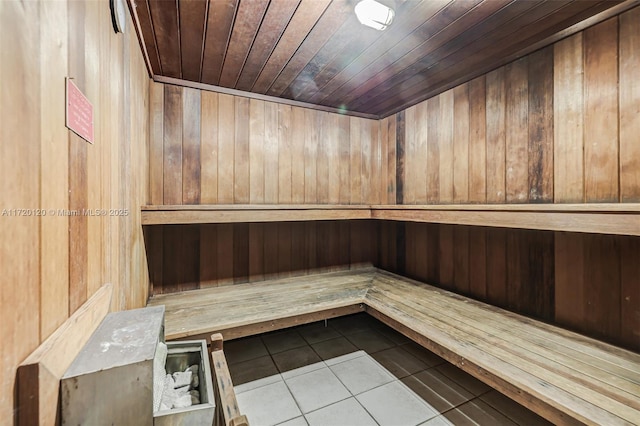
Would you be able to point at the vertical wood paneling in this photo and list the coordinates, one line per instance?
(209, 148)
(355, 169)
(477, 141)
(445, 127)
(400, 157)
(461, 144)
(322, 157)
(602, 285)
(241, 152)
(271, 153)
(629, 106)
(78, 189)
(569, 291)
(54, 171)
(630, 283)
(497, 267)
(225, 253)
(256, 251)
(366, 135)
(344, 159)
(413, 157)
(541, 126)
(53, 263)
(516, 132)
(496, 116)
(478, 262)
(568, 120)
(419, 157)
(601, 147)
(446, 257)
(156, 149)
(241, 253)
(297, 155)
(433, 151)
(284, 154)
(208, 256)
(461, 251)
(191, 146)
(333, 154)
(390, 184)
(310, 156)
(226, 133)
(172, 168)
(256, 151)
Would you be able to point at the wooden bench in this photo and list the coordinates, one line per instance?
(563, 376)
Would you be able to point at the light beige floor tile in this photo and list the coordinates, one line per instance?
(394, 404)
(344, 413)
(361, 374)
(298, 421)
(268, 405)
(305, 369)
(316, 389)
(257, 383)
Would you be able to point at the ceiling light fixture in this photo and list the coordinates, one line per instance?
(374, 14)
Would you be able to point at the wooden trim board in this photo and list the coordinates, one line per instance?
(617, 219)
(39, 375)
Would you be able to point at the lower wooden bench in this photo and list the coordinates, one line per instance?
(563, 376)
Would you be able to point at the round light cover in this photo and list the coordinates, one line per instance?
(374, 14)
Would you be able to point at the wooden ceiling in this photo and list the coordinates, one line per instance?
(315, 51)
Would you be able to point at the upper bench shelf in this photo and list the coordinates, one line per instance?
(620, 219)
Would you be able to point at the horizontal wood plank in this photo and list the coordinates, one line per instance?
(619, 219)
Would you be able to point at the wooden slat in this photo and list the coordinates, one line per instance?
(219, 24)
(629, 103)
(226, 132)
(355, 168)
(322, 158)
(165, 23)
(461, 163)
(172, 167)
(271, 153)
(516, 133)
(446, 148)
(477, 170)
(246, 24)
(40, 373)
(297, 155)
(192, 15)
(302, 21)
(285, 150)
(272, 26)
(310, 155)
(601, 112)
(156, 143)
(496, 116)
(256, 151)
(209, 148)
(569, 280)
(541, 126)
(433, 151)
(568, 120)
(191, 144)
(241, 160)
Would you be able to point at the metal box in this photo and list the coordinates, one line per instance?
(111, 379)
(180, 356)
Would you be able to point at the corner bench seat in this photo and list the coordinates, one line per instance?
(563, 376)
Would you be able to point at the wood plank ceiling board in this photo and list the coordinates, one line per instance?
(317, 53)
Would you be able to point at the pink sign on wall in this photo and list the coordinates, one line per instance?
(79, 112)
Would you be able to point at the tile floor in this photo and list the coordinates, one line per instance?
(353, 371)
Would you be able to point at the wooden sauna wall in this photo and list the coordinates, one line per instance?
(561, 125)
(187, 257)
(52, 263)
(211, 148)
